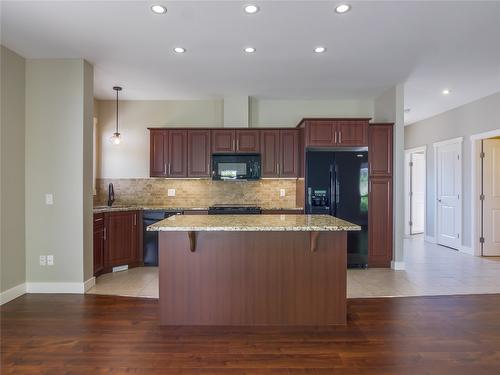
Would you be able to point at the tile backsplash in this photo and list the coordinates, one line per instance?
(199, 192)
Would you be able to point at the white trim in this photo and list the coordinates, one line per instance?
(448, 142)
(474, 209)
(430, 239)
(12, 293)
(408, 153)
(397, 265)
(89, 284)
(55, 287)
(459, 141)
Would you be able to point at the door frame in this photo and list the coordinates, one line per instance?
(459, 141)
(475, 176)
(408, 152)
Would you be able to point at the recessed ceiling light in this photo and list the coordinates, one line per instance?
(342, 8)
(251, 9)
(249, 50)
(179, 50)
(319, 49)
(446, 92)
(158, 9)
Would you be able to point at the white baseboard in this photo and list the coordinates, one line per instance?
(397, 265)
(88, 284)
(12, 293)
(466, 249)
(430, 239)
(55, 287)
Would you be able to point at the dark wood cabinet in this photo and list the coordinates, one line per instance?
(223, 140)
(168, 153)
(336, 132)
(158, 152)
(99, 237)
(280, 152)
(198, 153)
(380, 222)
(380, 149)
(247, 141)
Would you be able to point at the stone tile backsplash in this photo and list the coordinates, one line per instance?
(198, 192)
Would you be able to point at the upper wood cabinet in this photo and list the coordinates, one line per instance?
(199, 153)
(168, 153)
(280, 152)
(231, 140)
(380, 149)
(336, 132)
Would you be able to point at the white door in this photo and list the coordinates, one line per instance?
(448, 175)
(417, 193)
(491, 203)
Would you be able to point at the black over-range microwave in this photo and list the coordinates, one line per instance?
(235, 166)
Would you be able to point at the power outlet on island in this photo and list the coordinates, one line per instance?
(282, 192)
(171, 192)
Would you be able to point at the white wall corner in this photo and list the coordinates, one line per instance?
(398, 265)
(12, 293)
(88, 284)
(430, 239)
(55, 287)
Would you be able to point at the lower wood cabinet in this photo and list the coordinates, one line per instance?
(119, 242)
(380, 222)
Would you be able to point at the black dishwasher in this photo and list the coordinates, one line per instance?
(151, 238)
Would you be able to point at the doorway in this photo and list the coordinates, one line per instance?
(448, 188)
(415, 186)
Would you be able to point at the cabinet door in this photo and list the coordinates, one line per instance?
(223, 141)
(321, 133)
(289, 153)
(198, 153)
(121, 238)
(352, 133)
(247, 141)
(270, 152)
(177, 156)
(380, 150)
(98, 243)
(158, 153)
(380, 222)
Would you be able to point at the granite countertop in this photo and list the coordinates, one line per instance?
(117, 208)
(253, 223)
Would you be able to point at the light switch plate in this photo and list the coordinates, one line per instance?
(282, 192)
(171, 192)
(49, 199)
(50, 260)
(43, 260)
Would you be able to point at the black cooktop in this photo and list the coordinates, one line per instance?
(234, 209)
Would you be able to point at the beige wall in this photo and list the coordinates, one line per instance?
(12, 254)
(473, 118)
(131, 158)
(58, 150)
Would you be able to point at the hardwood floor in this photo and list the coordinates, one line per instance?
(91, 334)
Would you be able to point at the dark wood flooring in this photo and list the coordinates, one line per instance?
(77, 334)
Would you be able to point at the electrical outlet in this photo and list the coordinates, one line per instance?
(282, 192)
(171, 192)
(50, 260)
(43, 260)
(49, 199)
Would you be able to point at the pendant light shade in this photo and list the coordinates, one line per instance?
(116, 137)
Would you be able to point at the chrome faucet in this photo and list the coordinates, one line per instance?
(111, 194)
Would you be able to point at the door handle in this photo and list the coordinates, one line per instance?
(340, 136)
(169, 169)
(165, 169)
(105, 234)
(439, 200)
(335, 137)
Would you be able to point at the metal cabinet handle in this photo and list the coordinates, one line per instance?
(278, 168)
(169, 169)
(335, 136)
(237, 144)
(340, 136)
(234, 144)
(165, 169)
(105, 234)
(135, 220)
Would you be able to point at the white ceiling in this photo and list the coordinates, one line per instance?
(429, 45)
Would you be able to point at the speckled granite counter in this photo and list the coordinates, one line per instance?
(253, 223)
(117, 208)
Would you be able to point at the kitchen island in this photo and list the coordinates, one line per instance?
(252, 269)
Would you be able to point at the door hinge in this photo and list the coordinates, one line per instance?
(458, 196)
(481, 197)
(481, 155)
(481, 239)
(458, 235)
(411, 223)
(411, 164)
(458, 157)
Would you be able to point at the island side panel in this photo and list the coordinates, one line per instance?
(252, 278)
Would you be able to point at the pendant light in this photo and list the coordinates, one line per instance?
(115, 139)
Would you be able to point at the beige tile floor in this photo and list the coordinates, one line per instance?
(430, 270)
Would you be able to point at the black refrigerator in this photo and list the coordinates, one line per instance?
(337, 185)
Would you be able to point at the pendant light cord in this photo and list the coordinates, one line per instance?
(117, 111)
